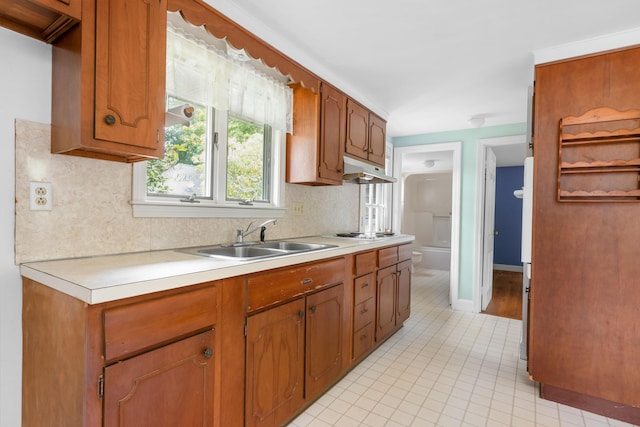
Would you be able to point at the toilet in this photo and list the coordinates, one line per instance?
(416, 258)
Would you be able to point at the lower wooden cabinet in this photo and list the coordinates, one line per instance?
(325, 329)
(170, 386)
(403, 294)
(152, 360)
(250, 350)
(294, 352)
(275, 364)
(393, 291)
(385, 306)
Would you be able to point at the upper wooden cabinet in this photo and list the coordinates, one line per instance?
(109, 82)
(44, 20)
(366, 134)
(316, 146)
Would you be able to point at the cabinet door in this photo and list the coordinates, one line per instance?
(170, 386)
(130, 72)
(332, 133)
(275, 364)
(386, 303)
(357, 143)
(325, 325)
(403, 296)
(377, 139)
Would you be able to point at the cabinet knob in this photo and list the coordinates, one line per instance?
(109, 119)
(207, 353)
(313, 308)
(301, 314)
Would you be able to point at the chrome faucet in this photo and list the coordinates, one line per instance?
(241, 234)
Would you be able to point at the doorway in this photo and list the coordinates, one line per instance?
(423, 160)
(509, 151)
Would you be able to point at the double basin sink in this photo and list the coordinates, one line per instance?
(256, 250)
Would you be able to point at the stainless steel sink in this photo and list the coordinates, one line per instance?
(257, 250)
(294, 246)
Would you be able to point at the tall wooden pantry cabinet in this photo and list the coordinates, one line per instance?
(584, 331)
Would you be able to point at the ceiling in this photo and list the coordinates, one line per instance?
(429, 66)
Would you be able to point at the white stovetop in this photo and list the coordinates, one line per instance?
(107, 278)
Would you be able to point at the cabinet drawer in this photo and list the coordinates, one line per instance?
(365, 263)
(362, 341)
(140, 326)
(365, 288)
(280, 285)
(387, 256)
(363, 313)
(405, 252)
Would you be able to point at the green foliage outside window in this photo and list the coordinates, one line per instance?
(183, 145)
(247, 152)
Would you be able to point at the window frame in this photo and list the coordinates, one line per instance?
(384, 206)
(217, 206)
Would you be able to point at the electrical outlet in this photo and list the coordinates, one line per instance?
(40, 196)
(298, 208)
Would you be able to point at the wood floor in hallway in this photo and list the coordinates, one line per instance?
(507, 295)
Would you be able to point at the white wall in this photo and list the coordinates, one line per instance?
(426, 196)
(25, 92)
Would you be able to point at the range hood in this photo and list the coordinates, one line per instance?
(359, 172)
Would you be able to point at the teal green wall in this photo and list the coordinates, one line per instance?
(469, 138)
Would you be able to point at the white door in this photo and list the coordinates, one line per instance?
(488, 230)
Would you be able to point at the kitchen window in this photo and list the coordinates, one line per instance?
(227, 117)
(375, 202)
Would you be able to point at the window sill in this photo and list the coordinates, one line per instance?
(202, 210)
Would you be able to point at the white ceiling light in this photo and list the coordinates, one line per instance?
(477, 120)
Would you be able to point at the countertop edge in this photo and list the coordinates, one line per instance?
(49, 273)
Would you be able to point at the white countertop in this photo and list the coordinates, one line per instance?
(106, 278)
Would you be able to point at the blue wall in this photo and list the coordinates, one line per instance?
(508, 218)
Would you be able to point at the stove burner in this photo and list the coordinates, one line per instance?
(357, 235)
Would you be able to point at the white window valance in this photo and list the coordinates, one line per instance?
(204, 74)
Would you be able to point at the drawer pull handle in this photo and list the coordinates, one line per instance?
(365, 284)
(306, 281)
(207, 353)
(364, 310)
(313, 308)
(363, 337)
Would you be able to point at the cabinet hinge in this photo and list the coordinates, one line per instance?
(100, 387)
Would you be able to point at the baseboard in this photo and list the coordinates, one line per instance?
(465, 305)
(618, 411)
(505, 267)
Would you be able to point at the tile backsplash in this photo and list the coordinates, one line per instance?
(92, 214)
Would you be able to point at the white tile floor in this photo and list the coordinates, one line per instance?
(443, 368)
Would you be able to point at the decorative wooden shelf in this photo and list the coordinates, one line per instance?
(599, 157)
